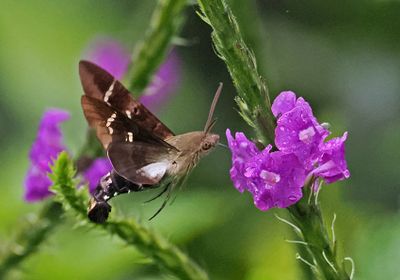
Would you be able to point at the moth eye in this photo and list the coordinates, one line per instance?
(206, 146)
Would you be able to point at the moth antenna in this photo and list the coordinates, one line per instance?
(158, 195)
(212, 108)
(211, 125)
(163, 204)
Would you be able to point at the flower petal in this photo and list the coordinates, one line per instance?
(332, 165)
(283, 103)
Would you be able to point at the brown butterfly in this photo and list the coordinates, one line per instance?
(144, 152)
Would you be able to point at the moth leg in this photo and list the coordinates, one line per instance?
(164, 203)
(158, 195)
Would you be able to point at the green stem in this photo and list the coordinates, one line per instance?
(165, 23)
(253, 99)
(307, 216)
(32, 235)
(164, 254)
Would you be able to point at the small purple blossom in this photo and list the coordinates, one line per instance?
(46, 147)
(113, 57)
(242, 150)
(95, 171)
(332, 165)
(275, 179)
(283, 103)
(297, 130)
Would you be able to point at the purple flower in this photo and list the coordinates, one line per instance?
(332, 165)
(274, 179)
(298, 131)
(46, 147)
(113, 57)
(242, 151)
(96, 170)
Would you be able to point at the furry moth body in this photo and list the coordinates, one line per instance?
(144, 152)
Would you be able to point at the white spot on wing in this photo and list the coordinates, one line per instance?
(110, 130)
(109, 92)
(111, 119)
(130, 136)
(154, 171)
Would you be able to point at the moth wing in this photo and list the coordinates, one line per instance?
(113, 126)
(140, 162)
(99, 84)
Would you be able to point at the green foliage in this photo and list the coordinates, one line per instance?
(164, 254)
(253, 99)
(65, 185)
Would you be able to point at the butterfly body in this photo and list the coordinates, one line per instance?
(143, 151)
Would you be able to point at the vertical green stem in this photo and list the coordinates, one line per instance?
(307, 216)
(31, 236)
(149, 54)
(253, 99)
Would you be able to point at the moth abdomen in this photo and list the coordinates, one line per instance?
(109, 186)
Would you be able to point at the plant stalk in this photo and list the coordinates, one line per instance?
(307, 216)
(253, 99)
(167, 256)
(165, 23)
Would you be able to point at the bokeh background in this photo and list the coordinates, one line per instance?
(342, 56)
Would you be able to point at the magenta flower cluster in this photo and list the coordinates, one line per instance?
(46, 147)
(276, 178)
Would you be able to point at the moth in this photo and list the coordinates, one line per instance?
(143, 151)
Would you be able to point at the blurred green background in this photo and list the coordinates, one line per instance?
(342, 56)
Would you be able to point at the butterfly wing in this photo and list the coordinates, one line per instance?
(99, 84)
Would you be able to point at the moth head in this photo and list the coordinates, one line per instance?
(209, 141)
